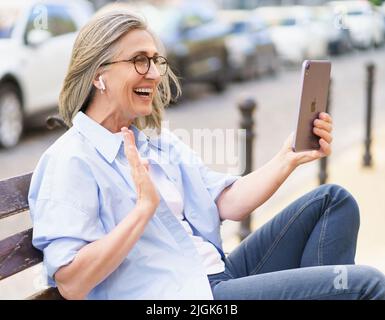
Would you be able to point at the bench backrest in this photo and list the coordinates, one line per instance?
(16, 251)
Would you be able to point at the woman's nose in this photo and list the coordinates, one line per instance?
(153, 72)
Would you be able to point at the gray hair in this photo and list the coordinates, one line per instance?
(96, 44)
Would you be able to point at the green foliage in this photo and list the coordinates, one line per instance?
(377, 2)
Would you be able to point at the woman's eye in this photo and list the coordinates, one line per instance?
(141, 60)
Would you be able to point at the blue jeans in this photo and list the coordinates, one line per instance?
(305, 252)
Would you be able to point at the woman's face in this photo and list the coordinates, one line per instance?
(131, 93)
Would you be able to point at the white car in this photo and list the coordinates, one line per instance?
(36, 39)
(294, 33)
(249, 44)
(339, 40)
(365, 23)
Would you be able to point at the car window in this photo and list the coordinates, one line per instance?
(355, 13)
(239, 27)
(55, 18)
(288, 22)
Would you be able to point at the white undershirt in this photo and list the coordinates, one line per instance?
(172, 194)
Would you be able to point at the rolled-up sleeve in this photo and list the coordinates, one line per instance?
(60, 231)
(216, 182)
(64, 208)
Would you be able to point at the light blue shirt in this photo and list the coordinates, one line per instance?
(82, 188)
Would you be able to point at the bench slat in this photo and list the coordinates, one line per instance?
(18, 254)
(47, 294)
(14, 195)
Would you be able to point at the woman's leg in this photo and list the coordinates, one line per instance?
(320, 228)
(315, 237)
(323, 282)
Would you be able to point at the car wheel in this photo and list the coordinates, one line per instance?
(274, 64)
(253, 68)
(220, 83)
(11, 116)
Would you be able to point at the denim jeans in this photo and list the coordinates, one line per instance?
(305, 252)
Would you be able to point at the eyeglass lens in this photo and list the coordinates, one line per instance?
(142, 64)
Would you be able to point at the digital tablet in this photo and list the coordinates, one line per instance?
(313, 101)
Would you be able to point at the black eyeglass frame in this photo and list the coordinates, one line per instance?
(133, 59)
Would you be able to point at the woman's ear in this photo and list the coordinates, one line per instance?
(99, 83)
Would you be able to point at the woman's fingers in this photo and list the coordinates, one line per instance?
(147, 195)
(326, 117)
(326, 135)
(132, 153)
(325, 147)
(130, 148)
(322, 124)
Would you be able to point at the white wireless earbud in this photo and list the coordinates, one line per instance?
(102, 83)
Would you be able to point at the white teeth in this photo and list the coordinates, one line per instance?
(146, 90)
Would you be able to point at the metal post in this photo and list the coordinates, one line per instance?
(370, 68)
(247, 108)
(323, 174)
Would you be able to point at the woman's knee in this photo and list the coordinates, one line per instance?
(335, 191)
(371, 281)
(339, 196)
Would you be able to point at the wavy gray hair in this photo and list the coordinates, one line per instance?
(95, 45)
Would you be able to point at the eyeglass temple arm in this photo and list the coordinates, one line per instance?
(108, 63)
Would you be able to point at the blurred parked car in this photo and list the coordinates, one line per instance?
(36, 39)
(294, 33)
(193, 38)
(365, 23)
(338, 37)
(251, 49)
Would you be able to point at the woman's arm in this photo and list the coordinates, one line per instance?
(251, 191)
(97, 260)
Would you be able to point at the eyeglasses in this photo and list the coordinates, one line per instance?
(142, 63)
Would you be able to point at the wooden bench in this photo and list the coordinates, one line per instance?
(16, 252)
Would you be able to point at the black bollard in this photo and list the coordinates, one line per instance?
(247, 108)
(323, 173)
(370, 68)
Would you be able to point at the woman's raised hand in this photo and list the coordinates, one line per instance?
(322, 127)
(147, 195)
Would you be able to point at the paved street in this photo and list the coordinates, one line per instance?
(277, 99)
(275, 118)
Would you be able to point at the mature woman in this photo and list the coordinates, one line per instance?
(120, 215)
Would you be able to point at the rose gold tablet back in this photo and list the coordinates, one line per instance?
(314, 94)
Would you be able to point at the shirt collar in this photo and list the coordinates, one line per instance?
(106, 142)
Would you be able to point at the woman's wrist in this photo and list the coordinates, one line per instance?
(145, 208)
(287, 161)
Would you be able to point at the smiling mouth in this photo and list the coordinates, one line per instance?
(143, 92)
